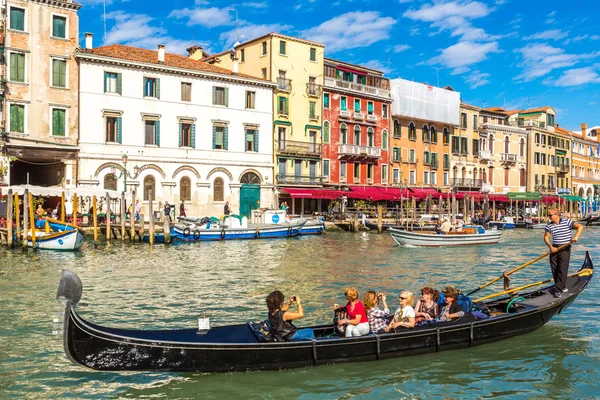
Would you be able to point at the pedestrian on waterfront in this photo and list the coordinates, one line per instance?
(357, 322)
(280, 318)
(284, 206)
(182, 209)
(377, 317)
(558, 233)
(138, 209)
(404, 317)
(226, 209)
(167, 211)
(499, 215)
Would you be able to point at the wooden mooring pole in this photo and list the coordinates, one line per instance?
(62, 207)
(132, 218)
(167, 229)
(9, 218)
(25, 217)
(107, 217)
(123, 216)
(379, 219)
(151, 218)
(17, 216)
(95, 217)
(32, 217)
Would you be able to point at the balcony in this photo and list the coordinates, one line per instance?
(435, 164)
(299, 148)
(485, 155)
(508, 158)
(358, 116)
(345, 114)
(486, 188)
(356, 87)
(313, 118)
(466, 183)
(545, 189)
(313, 89)
(371, 118)
(370, 181)
(562, 168)
(353, 151)
(523, 124)
(284, 85)
(299, 180)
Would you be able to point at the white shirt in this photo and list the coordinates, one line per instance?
(403, 314)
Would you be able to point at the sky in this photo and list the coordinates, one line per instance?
(515, 54)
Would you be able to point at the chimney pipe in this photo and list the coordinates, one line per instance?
(88, 41)
(234, 66)
(583, 129)
(161, 53)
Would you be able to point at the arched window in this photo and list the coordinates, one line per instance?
(326, 132)
(110, 182)
(397, 129)
(384, 140)
(412, 132)
(343, 134)
(185, 189)
(522, 147)
(425, 134)
(357, 135)
(455, 172)
(149, 188)
(370, 137)
(446, 136)
(491, 143)
(483, 176)
(250, 178)
(464, 173)
(506, 145)
(433, 133)
(474, 173)
(218, 190)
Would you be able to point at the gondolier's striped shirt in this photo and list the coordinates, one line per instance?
(561, 232)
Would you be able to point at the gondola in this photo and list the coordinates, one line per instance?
(238, 348)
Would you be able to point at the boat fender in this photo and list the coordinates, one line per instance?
(186, 231)
(196, 234)
(223, 233)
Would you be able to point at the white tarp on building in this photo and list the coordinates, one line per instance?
(425, 102)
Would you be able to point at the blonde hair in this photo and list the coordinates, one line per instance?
(410, 299)
(370, 299)
(351, 294)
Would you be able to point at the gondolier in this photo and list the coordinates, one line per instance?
(559, 230)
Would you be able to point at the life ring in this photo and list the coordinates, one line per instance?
(186, 231)
(290, 231)
(196, 234)
(223, 233)
(256, 234)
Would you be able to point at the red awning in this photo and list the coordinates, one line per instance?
(498, 197)
(422, 193)
(374, 193)
(327, 194)
(478, 196)
(552, 199)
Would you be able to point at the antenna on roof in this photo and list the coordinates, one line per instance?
(388, 62)
(238, 36)
(437, 73)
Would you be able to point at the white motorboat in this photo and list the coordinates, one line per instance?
(468, 236)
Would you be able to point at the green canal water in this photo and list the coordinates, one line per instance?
(168, 287)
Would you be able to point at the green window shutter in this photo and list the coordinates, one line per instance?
(157, 88)
(326, 132)
(312, 108)
(55, 73)
(62, 73)
(21, 119)
(13, 118)
(105, 81)
(180, 134)
(225, 137)
(226, 96)
(119, 83)
(157, 133)
(145, 86)
(370, 107)
(286, 105)
(13, 67)
(214, 133)
(193, 136)
(256, 141)
(214, 97)
(119, 130)
(17, 19)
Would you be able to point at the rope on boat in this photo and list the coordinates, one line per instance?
(512, 301)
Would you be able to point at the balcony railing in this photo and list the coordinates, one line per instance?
(301, 148)
(313, 89)
(466, 183)
(484, 154)
(345, 114)
(562, 168)
(370, 181)
(358, 115)
(299, 179)
(486, 187)
(356, 87)
(434, 164)
(371, 117)
(509, 158)
(530, 122)
(284, 84)
(359, 151)
(545, 189)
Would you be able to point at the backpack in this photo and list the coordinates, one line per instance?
(261, 330)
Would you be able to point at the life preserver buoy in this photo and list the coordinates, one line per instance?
(223, 233)
(186, 231)
(196, 234)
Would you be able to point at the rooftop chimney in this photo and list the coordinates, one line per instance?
(234, 65)
(583, 129)
(161, 53)
(88, 42)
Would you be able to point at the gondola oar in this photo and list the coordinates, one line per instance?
(583, 272)
(517, 268)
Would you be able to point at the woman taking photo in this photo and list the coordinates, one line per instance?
(281, 327)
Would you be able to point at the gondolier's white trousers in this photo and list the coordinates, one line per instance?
(357, 330)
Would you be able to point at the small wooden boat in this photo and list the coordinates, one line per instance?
(313, 226)
(64, 240)
(468, 236)
(238, 347)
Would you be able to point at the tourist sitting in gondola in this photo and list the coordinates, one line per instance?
(378, 318)
(281, 327)
(356, 323)
(427, 308)
(404, 317)
(452, 309)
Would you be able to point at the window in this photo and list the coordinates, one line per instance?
(522, 147)
(491, 143)
(536, 158)
(112, 82)
(110, 182)
(463, 146)
(264, 73)
(343, 170)
(220, 96)
(455, 145)
(445, 179)
(384, 111)
(549, 120)
(357, 105)
(384, 173)
(59, 116)
(250, 99)
(343, 103)
(326, 168)
(313, 54)
(425, 134)
(186, 135)
(113, 129)
(433, 133)
(152, 87)
(384, 139)
(370, 137)
(426, 177)
(397, 129)
(426, 159)
(17, 19)
(59, 73)
(282, 105)
(149, 188)
(412, 132)
(264, 50)
(185, 189)
(356, 172)
(411, 156)
(446, 161)
(326, 132)
(474, 122)
(152, 132)
(433, 178)
(412, 177)
(17, 118)
(396, 154)
(357, 135)
(59, 26)
(242, 55)
(475, 147)
(312, 113)
(186, 91)
(343, 134)
(506, 145)
(396, 175)
(506, 176)
(370, 172)
(282, 48)
(220, 137)
(463, 120)
(218, 190)
(370, 108)
(446, 138)
(543, 140)
(252, 140)
(325, 100)
(17, 67)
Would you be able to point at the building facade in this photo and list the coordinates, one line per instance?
(190, 130)
(40, 105)
(585, 170)
(356, 125)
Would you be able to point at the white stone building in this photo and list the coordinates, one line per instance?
(191, 131)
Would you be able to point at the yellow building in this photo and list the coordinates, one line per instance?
(296, 65)
(585, 171)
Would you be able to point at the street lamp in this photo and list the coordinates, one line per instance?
(124, 174)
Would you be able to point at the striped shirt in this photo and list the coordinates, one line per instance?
(561, 232)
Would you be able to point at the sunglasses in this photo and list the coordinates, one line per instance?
(554, 215)
(402, 298)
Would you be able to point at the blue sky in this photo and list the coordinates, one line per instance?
(511, 53)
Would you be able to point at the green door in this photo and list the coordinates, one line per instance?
(249, 199)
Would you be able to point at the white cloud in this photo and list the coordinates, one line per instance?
(463, 54)
(577, 77)
(250, 31)
(550, 20)
(414, 32)
(553, 34)
(438, 11)
(378, 65)
(540, 59)
(586, 36)
(399, 48)
(207, 17)
(251, 4)
(477, 78)
(351, 30)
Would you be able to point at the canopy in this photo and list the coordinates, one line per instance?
(572, 198)
(526, 196)
(422, 193)
(327, 194)
(498, 197)
(551, 199)
(56, 191)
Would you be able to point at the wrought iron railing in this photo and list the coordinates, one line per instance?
(466, 182)
(299, 179)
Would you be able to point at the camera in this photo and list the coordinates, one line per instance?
(293, 298)
(379, 295)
